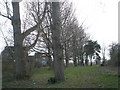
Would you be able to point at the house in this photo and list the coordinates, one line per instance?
(41, 59)
(8, 53)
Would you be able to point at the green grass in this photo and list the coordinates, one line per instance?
(76, 77)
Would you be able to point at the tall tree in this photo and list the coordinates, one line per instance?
(92, 48)
(57, 47)
(20, 50)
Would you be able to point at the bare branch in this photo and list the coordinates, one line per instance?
(6, 16)
(32, 45)
(27, 32)
(8, 11)
(46, 36)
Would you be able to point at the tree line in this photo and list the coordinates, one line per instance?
(53, 26)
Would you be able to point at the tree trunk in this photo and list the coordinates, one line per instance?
(75, 60)
(86, 60)
(74, 50)
(91, 63)
(90, 60)
(82, 60)
(96, 62)
(57, 47)
(49, 53)
(79, 60)
(67, 62)
(19, 52)
(50, 61)
(66, 55)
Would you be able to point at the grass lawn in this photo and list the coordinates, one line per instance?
(76, 77)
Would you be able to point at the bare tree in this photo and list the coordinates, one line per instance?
(20, 51)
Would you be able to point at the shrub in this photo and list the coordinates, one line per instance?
(102, 64)
(52, 80)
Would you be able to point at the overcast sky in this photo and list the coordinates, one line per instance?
(101, 18)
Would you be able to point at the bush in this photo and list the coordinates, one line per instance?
(52, 80)
(102, 64)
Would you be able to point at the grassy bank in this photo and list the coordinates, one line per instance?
(76, 77)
